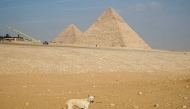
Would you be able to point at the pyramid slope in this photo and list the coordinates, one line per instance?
(69, 35)
(111, 30)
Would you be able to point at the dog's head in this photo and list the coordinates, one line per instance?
(91, 99)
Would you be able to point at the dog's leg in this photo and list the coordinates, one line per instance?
(86, 107)
(68, 107)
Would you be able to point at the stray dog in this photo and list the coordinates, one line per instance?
(80, 103)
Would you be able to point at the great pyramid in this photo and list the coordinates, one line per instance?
(111, 30)
(69, 35)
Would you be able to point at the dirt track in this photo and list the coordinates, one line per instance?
(42, 77)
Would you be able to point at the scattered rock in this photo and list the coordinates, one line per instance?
(98, 101)
(185, 98)
(156, 105)
(135, 107)
(112, 104)
(140, 93)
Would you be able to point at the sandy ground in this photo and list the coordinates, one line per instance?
(45, 77)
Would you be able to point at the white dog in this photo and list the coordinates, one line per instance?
(80, 103)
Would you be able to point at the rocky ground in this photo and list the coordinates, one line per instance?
(45, 77)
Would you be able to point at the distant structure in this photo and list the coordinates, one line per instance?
(110, 30)
(69, 35)
(30, 37)
(9, 38)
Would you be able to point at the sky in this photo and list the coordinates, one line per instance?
(162, 24)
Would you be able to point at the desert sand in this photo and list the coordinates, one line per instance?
(45, 77)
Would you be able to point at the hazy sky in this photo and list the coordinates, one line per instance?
(163, 24)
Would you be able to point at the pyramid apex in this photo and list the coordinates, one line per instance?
(109, 14)
(110, 8)
(71, 25)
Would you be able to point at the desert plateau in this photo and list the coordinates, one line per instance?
(45, 77)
